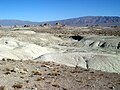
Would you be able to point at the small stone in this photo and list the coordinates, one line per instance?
(48, 82)
(17, 85)
(27, 81)
(7, 69)
(54, 74)
(25, 70)
(22, 77)
(91, 72)
(22, 71)
(111, 87)
(3, 59)
(64, 88)
(16, 69)
(40, 78)
(36, 73)
(2, 88)
(9, 59)
(34, 88)
(47, 66)
(55, 85)
(7, 73)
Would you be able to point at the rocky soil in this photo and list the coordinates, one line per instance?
(50, 58)
(30, 75)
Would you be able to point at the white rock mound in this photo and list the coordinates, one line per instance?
(14, 49)
(110, 42)
(104, 62)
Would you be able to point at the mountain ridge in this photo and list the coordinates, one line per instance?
(79, 21)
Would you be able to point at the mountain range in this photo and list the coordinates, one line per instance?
(80, 21)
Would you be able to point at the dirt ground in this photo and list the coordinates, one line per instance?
(31, 75)
(40, 75)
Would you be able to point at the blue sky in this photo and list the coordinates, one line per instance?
(46, 10)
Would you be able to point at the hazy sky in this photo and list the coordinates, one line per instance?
(45, 10)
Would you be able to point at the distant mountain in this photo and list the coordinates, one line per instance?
(80, 21)
(8, 22)
(90, 20)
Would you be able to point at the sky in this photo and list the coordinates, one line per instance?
(49, 10)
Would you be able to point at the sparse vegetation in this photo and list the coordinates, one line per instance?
(67, 43)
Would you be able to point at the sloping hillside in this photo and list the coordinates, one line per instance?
(91, 20)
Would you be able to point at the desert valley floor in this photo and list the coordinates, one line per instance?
(66, 58)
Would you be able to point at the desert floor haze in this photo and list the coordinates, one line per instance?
(59, 58)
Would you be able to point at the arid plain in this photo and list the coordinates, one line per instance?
(60, 58)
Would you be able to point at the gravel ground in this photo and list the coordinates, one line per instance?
(34, 75)
(31, 75)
